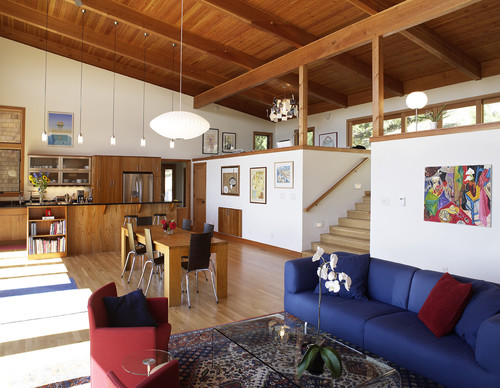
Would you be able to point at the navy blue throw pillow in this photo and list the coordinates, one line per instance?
(356, 266)
(130, 310)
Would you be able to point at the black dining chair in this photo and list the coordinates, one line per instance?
(144, 221)
(209, 228)
(134, 248)
(186, 224)
(198, 260)
(156, 262)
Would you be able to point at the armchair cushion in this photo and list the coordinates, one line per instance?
(130, 310)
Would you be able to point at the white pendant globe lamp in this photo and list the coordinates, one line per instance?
(416, 100)
(179, 124)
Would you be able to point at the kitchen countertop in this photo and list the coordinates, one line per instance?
(15, 204)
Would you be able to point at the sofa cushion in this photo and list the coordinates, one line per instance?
(129, 310)
(356, 266)
(403, 339)
(389, 282)
(445, 304)
(300, 275)
(484, 303)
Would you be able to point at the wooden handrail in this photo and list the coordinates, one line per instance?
(342, 180)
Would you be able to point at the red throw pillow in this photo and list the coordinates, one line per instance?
(445, 304)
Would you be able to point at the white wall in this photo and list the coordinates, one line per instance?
(322, 169)
(22, 70)
(400, 233)
(279, 221)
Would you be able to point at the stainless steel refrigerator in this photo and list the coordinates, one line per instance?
(137, 187)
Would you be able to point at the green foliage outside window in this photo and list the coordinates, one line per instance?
(492, 112)
(261, 142)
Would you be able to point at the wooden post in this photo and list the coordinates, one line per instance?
(378, 86)
(303, 105)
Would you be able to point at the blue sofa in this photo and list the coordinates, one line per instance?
(387, 323)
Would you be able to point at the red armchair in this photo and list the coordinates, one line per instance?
(165, 377)
(110, 345)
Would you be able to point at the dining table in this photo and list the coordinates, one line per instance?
(173, 247)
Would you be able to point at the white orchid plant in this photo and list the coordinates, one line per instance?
(333, 282)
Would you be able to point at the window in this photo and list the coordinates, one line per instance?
(362, 130)
(459, 116)
(310, 136)
(11, 150)
(491, 110)
(423, 124)
(262, 141)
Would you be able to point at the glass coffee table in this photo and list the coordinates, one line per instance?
(278, 342)
(147, 361)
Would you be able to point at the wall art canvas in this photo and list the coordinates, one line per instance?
(228, 141)
(60, 129)
(328, 139)
(230, 180)
(210, 142)
(283, 175)
(258, 184)
(458, 195)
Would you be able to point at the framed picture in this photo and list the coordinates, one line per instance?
(210, 142)
(60, 129)
(230, 180)
(283, 175)
(258, 185)
(228, 141)
(328, 139)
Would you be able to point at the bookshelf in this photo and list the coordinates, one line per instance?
(46, 238)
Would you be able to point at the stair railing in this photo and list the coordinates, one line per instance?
(342, 180)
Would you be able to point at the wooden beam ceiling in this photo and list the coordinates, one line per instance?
(430, 41)
(395, 19)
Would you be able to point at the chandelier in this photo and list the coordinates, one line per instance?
(284, 109)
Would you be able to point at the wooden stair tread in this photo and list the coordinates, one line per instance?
(330, 248)
(354, 242)
(359, 214)
(338, 230)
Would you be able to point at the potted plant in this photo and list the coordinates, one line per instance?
(436, 117)
(316, 355)
(40, 180)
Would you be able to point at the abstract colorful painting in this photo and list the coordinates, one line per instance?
(258, 185)
(458, 195)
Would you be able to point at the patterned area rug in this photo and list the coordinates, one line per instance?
(203, 364)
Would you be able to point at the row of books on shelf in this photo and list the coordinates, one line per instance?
(58, 227)
(39, 245)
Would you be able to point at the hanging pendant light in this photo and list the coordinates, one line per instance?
(113, 138)
(143, 139)
(284, 109)
(80, 136)
(179, 124)
(44, 133)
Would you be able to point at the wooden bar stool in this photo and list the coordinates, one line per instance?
(130, 218)
(157, 218)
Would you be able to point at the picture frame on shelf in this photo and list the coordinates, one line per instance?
(329, 139)
(258, 185)
(230, 180)
(210, 142)
(228, 141)
(60, 129)
(283, 175)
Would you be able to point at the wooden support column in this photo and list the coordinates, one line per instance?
(303, 104)
(378, 86)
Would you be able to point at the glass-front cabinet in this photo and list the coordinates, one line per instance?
(62, 170)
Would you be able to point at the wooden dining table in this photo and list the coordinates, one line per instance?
(173, 247)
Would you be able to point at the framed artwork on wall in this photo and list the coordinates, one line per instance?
(60, 129)
(228, 141)
(230, 180)
(283, 175)
(210, 142)
(329, 139)
(258, 185)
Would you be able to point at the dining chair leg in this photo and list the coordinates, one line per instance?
(149, 281)
(126, 262)
(213, 285)
(196, 274)
(142, 274)
(131, 268)
(187, 289)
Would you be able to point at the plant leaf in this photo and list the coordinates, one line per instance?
(309, 355)
(332, 361)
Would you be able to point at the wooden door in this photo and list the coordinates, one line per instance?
(199, 195)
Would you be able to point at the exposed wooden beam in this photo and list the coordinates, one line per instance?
(430, 41)
(399, 17)
(378, 86)
(294, 36)
(303, 105)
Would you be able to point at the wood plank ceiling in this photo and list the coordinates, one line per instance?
(226, 39)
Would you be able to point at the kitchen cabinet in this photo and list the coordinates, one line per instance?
(142, 164)
(13, 220)
(63, 170)
(107, 179)
(230, 221)
(156, 188)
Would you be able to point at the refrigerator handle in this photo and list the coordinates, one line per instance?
(140, 189)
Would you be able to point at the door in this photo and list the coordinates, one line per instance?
(199, 195)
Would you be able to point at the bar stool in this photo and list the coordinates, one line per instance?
(157, 218)
(130, 218)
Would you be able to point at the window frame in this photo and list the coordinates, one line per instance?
(16, 146)
(269, 136)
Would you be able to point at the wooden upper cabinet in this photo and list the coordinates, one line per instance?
(107, 179)
(156, 166)
(145, 164)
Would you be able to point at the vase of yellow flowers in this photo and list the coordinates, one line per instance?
(40, 180)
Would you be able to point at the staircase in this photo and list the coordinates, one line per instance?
(352, 234)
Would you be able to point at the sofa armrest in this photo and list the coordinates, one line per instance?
(488, 345)
(158, 307)
(300, 275)
(110, 341)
